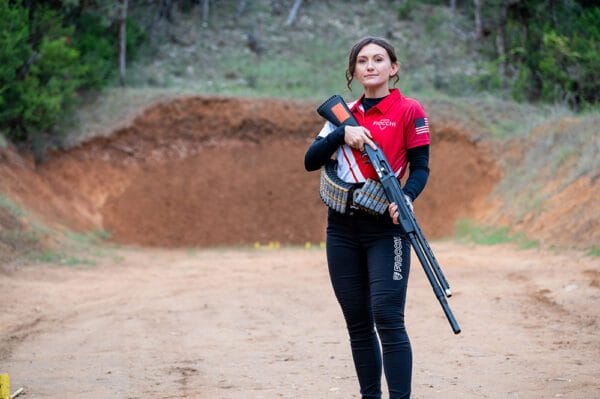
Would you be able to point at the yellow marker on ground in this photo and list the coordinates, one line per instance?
(4, 386)
(307, 245)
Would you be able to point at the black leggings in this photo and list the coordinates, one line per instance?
(369, 261)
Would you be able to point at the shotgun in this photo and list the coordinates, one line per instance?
(337, 112)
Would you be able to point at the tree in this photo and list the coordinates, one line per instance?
(241, 8)
(544, 50)
(123, 42)
(50, 53)
(478, 20)
(293, 12)
(205, 12)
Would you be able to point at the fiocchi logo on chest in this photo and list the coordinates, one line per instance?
(384, 123)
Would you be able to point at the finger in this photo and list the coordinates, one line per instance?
(357, 143)
(371, 143)
(369, 140)
(392, 208)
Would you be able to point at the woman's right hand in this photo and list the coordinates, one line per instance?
(357, 137)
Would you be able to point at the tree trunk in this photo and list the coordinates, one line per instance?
(241, 8)
(293, 12)
(478, 22)
(453, 6)
(162, 12)
(123, 42)
(164, 9)
(205, 12)
(501, 39)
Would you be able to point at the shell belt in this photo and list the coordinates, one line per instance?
(342, 196)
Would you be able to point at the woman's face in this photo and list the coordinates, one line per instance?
(373, 67)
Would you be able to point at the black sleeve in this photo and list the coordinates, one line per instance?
(321, 150)
(418, 159)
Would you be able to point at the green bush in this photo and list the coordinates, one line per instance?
(47, 92)
(97, 48)
(570, 67)
(136, 37)
(41, 71)
(557, 59)
(405, 10)
(490, 77)
(49, 53)
(50, 87)
(14, 53)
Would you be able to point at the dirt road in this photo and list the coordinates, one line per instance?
(247, 323)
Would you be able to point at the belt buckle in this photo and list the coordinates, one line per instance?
(351, 205)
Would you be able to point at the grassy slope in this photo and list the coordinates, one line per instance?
(308, 61)
(24, 239)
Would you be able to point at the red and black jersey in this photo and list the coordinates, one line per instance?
(397, 124)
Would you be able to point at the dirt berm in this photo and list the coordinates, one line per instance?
(202, 171)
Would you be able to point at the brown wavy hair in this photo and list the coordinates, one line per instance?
(356, 49)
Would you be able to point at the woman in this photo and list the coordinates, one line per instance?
(367, 255)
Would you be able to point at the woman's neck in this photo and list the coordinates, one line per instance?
(376, 92)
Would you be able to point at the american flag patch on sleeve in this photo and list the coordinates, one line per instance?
(421, 125)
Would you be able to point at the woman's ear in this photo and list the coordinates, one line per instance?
(395, 69)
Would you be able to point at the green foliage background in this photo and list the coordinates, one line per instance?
(50, 53)
(55, 53)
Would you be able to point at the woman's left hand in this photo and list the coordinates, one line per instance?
(393, 209)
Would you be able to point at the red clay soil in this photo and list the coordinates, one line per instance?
(223, 171)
